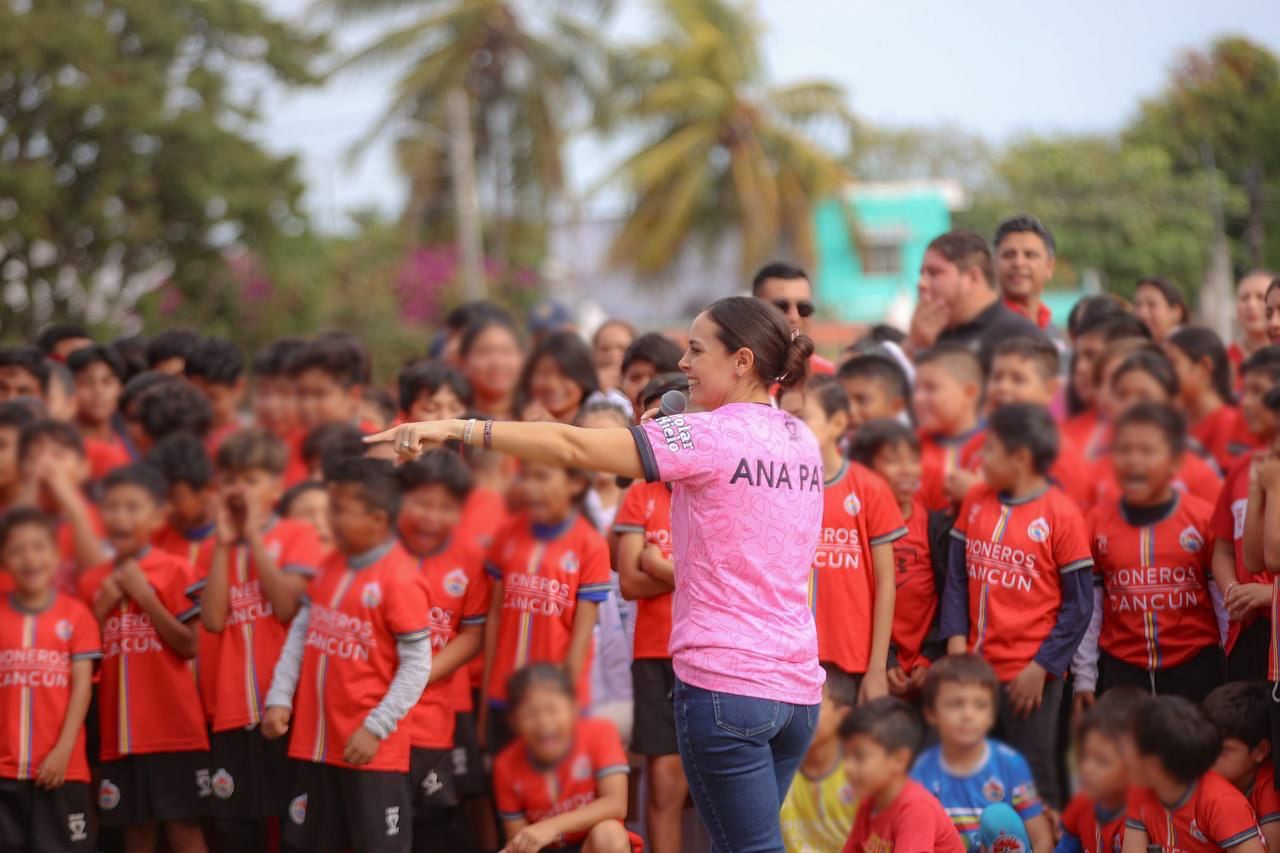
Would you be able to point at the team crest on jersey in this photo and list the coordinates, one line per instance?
(582, 768)
(1038, 530)
(1195, 831)
(847, 796)
(1100, 544)
(298, 809)
(223, 785)
(569, 562)
(455, 583)
(993, 790)
(64, 630)
(273, 550)
(1005, 843)
(1191, 540)
(973, 512)
(108, 795)
(371, 595)
(852, 504)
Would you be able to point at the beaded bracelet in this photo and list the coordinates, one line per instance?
(488, 434)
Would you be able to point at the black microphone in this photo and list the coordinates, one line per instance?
(673, 403)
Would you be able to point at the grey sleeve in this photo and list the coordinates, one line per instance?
(285, 679)
(412, 674)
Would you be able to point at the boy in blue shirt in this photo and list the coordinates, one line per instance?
(967, 771)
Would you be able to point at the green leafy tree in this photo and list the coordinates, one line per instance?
(724, 151)
(1118, 209)
(887, 153)
(126, 154)
(1223, 106)
(527, 78)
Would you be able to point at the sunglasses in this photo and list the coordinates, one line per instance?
(803, 308)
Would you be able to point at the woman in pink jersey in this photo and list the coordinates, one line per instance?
(747, 496)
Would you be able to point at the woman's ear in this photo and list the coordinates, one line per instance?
(744, 362)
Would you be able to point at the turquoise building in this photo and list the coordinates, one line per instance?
(894, 223)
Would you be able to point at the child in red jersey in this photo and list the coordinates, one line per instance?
(434, 488)
(1205, 381)
(1239, 565)
(1093, 822)
(14, 417)
(892, 450)
(851, 588)
(329, 374)
(945, 401)
(255, 573)
(1026, 370)
(274, 401)
(1178, 802)
(896, 812)
(433, 391)
(216, 368)
(192, 501)
(355, 664)
(877, 386)
(647, 576)
(98, 373)
(1092, 333)
(563, 782)
(550, 571)
(55, 475)
(308, 502)
(48, 643)
(1241, 711)
(1146, 376)
(155, 751)
(1153, 622)
(1018, 590)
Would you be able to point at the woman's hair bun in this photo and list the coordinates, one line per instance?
(796, 367)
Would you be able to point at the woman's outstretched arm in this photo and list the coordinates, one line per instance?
(611, 451)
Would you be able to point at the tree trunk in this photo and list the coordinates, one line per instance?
(1255, 231)
(462, 157)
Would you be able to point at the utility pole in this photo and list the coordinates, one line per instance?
(466, 198)
(1215, 295)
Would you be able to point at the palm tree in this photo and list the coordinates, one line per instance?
(525, 79)
(726, 153)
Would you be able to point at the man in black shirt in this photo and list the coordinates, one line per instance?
(958, 303)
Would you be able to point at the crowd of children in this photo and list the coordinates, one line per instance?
(230, 624)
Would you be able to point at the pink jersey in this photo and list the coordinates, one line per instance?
(747, 496)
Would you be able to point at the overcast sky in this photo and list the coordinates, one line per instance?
(1000, 67)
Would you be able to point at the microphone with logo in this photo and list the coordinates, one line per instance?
(673, 403)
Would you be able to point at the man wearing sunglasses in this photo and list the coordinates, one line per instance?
(787, 286)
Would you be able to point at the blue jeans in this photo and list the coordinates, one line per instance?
(740, 755)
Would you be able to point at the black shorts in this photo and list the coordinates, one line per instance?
(468, 763)
(431, 776)
(336, 808)
(500, 732)
(249, 775)
(157, 786)
(653, 684)
(32, 818)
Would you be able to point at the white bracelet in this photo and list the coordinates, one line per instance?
(467, 430)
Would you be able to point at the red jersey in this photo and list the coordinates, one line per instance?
(1224, 435)
(360, 608)
(1228, 526)
(523, 791)
(1195, 477)
(1097, 833)
(858, 513)
(646, 510)
(69, 566)
(459, 591)
(939, 456)
(916, 601)
(250, 643)
(1263, 796)
(296, 469)
(543, 577)
(483, 515)
(1212, 815)
(37, 648)
(1087, 433)
(147, 698)
(105, 456)
(1156, 610)
(914, 822)
(187, 544)
(1015, 554)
